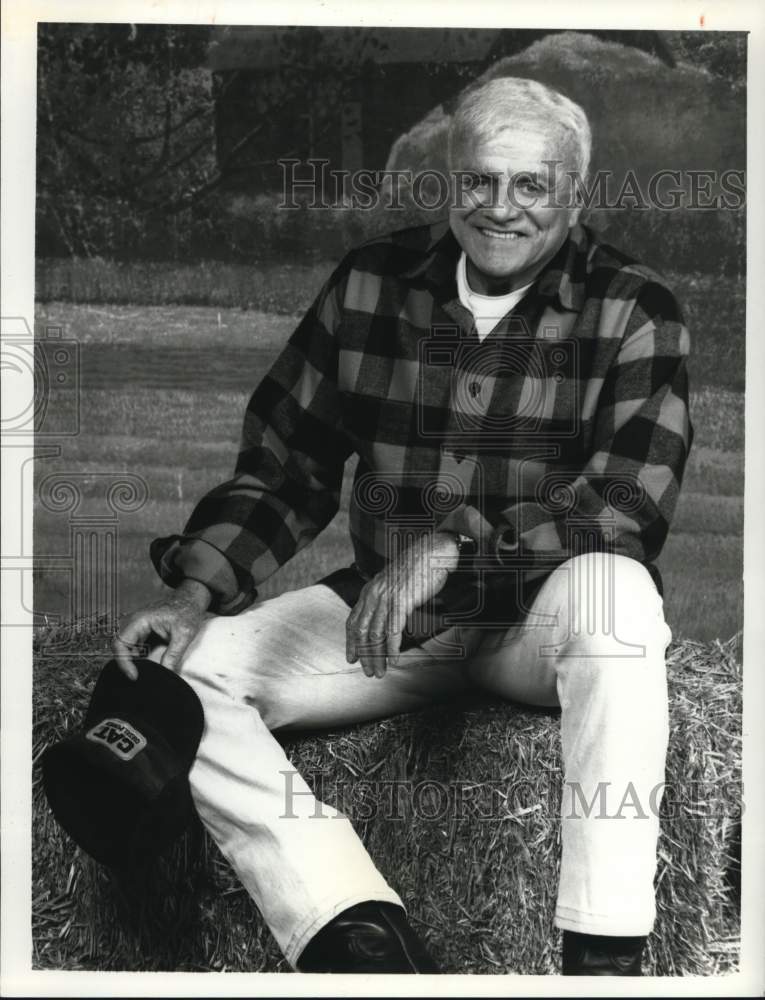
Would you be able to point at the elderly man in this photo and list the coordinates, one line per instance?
(516, 393)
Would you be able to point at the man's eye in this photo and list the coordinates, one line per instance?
(529, 185)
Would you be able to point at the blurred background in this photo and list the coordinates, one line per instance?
(168, 277)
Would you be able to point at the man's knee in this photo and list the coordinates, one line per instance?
(612, 603)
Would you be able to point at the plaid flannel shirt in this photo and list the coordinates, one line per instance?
(564, 430)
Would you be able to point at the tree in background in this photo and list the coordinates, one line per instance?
(721, 53)
(129, 163)
(125, 133)
(126, 127)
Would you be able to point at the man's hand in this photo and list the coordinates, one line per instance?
(375, 626)
(175, 620)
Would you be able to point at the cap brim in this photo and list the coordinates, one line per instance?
(111, 819)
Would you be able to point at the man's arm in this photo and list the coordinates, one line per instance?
(288, 476)
(286, 487)
(624, 497)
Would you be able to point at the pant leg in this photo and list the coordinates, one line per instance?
(595, 644)
(282, 664)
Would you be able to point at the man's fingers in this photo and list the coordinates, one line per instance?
(370, 641)
(367, 665)
(393, 630)
(370, 650)
(132, 640)
(353, 631)
(374, 658)
(364, 652)
(123, 650)
(361, 652)
(393, 646)
(179, 643)
(175, 623)
(376, 638)
(124, 662)
(357, 624)
(368, 628)
(350, 643)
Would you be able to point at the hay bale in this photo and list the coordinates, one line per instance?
(470, 839)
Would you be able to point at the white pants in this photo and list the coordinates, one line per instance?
(594, 643)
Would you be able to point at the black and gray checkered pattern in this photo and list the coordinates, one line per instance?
(567, 428)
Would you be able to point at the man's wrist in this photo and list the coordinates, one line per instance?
(452, 539)
(465, 544)
(197, 592)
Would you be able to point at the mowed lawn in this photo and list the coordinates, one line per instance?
(163, 390)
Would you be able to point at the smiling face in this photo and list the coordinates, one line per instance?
(516, 219)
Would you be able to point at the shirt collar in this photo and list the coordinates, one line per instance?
(563, 278)
(439, 260)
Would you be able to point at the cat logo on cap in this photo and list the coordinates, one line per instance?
(120, 737)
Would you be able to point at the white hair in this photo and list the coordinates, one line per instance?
(509, 102)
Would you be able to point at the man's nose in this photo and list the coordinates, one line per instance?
(504, 206)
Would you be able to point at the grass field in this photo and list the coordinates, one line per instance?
(164, 388)
(714, 305)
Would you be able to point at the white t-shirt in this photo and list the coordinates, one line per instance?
(488, 310)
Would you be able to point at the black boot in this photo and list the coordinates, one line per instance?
(368, 937)
(598, 955)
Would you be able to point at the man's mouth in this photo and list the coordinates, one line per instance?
(496, 234)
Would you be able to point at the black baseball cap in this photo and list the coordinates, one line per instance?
(120, 788)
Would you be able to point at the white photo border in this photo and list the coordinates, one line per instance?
(19, 41)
